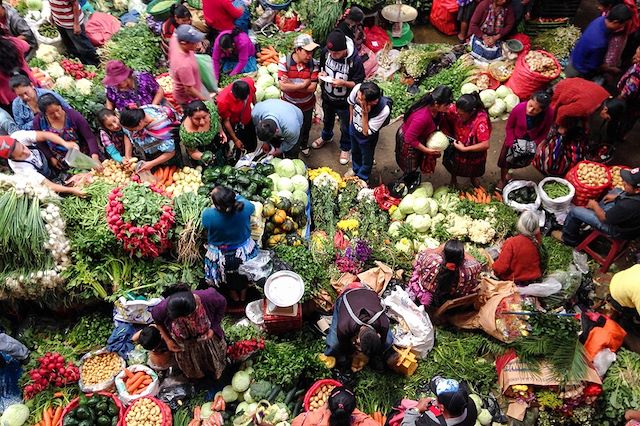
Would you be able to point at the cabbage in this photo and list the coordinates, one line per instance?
(503, 91)
(34, 4)
(263, 71)
(274, 178)
(240, 381)
(433, 207)
(406, 205)
(477, 400)
(272, 68)
(511, 100)
(468, 88)
(484, 417)
(259, 94)
(300, 196)
(421, 223)
(421, 204)
(284, 184)
(498, 108)
(394, 229)
(440, 192)
(438, 141)
(397, 215)
(272, 92)
(301, 168)
(300, 183)
(488, 97)
(427, 187)
(247, 396)
(228, 394)
(285, 168)
(409, 220)
(404, 246)
(275, 161)
(285, 194)
(206, 411)
(15, 415)
(240, 409)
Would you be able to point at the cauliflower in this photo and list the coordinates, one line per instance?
(47, 53)
(84, 86)
(64, 83)
(481, 231)
(459, 226)
(55, 70)
(121, 4)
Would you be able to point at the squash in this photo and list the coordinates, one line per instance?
(283, 204)
(279, 217)
(287, 226)
(269, 227)
(274, 240)
(268, 210)
(297, 208)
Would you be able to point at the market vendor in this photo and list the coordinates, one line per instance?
(189, 322)
(528, 121)
(25, 104)
(359, 331)
(12, 51)
(23, 151)
(150, 338)
(520, 256)
(220, 15)
(234, 108)
(616, 215)
(420, 122)
(178, 15)
(352, 26)
(618, 41)
(370, 111)
(152, 129)
(625, 297)
(201, 135)
(278, 124)
(125, 87)
(588, 55)
(451, 406)
(18, 27)
(575, 100)
(340, 62)
(228, 225)
(492, 21)
(443, 274)
(67, 123)
(468, 123)
(298, 80)
(340, 410)
(233, 53)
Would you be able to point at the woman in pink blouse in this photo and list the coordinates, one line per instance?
(12, 51)
(233, 53)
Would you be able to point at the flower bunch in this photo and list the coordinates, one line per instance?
(354, 257)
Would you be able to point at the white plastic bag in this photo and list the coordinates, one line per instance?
(134, 311)
(103, 386)
(55, 41)
(556, 205)
(517, 184)
(420, 335)
(546, 288)
(603, 360)
(151, 390)
(259, 267)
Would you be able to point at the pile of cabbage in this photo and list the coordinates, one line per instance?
(498, 102)
(267, 83)
(290, 180)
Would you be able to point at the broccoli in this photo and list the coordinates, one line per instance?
(260, 390)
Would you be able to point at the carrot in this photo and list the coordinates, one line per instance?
(128, 373)
(46, 417)
(196, 412)
(135, 381)
(384, 420)
(194, 422)
(58, 395)
(147, 381)
(57, 416)
(134, 377)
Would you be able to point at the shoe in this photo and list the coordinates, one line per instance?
(350, 173)
(306, 152)
(557, 234)
(344, 157)
(319, 143)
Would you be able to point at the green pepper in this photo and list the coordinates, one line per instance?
(252, 189)
(228, 170)
(207, 157)
(265, 192)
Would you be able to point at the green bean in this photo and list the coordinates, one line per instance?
(555, 189)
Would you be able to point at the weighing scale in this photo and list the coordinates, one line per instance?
(400, 15)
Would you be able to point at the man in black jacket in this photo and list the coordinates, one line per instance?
(340, 70)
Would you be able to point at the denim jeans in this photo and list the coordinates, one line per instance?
(333, 347)
(79, 45)
(362, 155)
(307, 119)
(7, 125)
(329, 120)
(579, 216)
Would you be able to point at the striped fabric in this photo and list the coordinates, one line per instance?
(62, 13)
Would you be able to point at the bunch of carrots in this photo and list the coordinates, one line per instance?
(268, 55)
(51, 417)
(164, 175)
(136, 382)
(379, 418)
(218, 406)
(480, 195)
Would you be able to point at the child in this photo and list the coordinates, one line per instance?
(112, 137)
(369, 112)
(160, 358)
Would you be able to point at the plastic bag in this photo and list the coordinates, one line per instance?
(517, 184)
(151, 390)
(420, 335)
(546, 288)
(137, 356)
(556, 205)
(603, 360)
(205, 65)
(103, 386)
(260, 267)
(134, 311)
(176, 390)
(137, 6)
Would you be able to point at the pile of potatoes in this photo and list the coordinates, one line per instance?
(590, 174)
(320, 398)
(616, 179)
(100, 368)
(144, 412)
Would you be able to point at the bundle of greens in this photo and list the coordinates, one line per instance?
(454, 76)
(189, 207)
(559, 256)
(621, 388)
(145, 55)
(86, 104)
(399, 93)
(557, 41)
(320, 16)
(417, 59)
(282, 42)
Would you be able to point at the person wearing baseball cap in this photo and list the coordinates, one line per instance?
(27, 160)
(183, 67)
(298, 78)
(452, 406)
(615, 215)
(340, 70)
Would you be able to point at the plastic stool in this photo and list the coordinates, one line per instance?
(618, 248)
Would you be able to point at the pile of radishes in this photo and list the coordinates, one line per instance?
(52, 370)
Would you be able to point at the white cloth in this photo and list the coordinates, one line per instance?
(29, 166)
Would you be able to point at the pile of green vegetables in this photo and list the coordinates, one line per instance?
(399, 93)
(454, 76)
(524, 195)
(557, 41)
(559, 256)
(147, 50)
(253, 184)
(87, 105)
(95, 410)
(555, 189)
(48, 30)
(314, 274)
(282, 42)
(621, 388)
(319, 15)
(416, 59)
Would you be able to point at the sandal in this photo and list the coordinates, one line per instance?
(319, 143)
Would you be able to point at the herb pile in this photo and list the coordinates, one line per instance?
(454, 77)
(557, 41)
(399, 93)
(559, 256)
(145, 55)
(621, 388)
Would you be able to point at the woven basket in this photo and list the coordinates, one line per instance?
(315, 387)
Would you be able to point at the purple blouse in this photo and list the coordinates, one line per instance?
(214, 303)
(143, 93)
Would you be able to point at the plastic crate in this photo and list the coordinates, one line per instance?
(280, 324)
